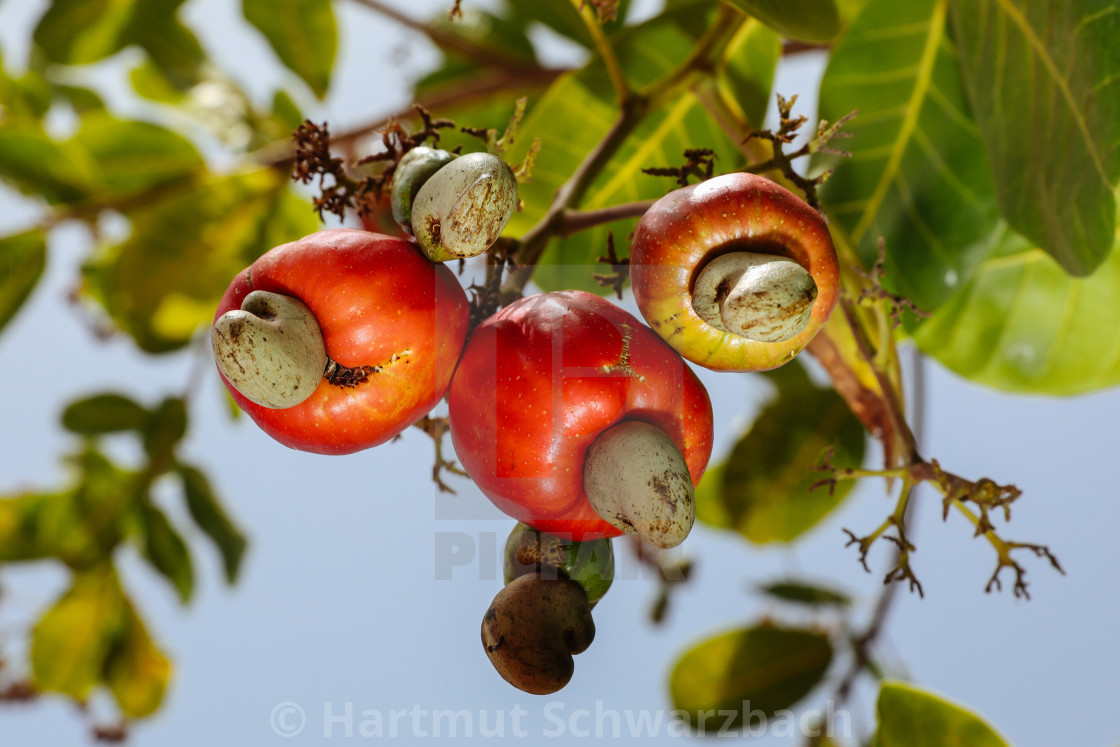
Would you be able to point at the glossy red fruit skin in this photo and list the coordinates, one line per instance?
(690, 226)
(537, 384)
(374, 297)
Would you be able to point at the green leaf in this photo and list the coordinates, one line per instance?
(804, 593)
(171, 46)
(909, 717)
(36, 165)
(211, 518)
(104, 413)
(1022, 324)
(18, 526)
(134, 156)
(137, 672)
(302, 33)
(286, 110)
(561, 16)
(763, 487)
(746, 72)
(165, 428)
(149, 82)
(87, 524)
(26, 96)
(163, 282)
(849, 10)
(80, 525)
(575, 113)
(917, 176)
(1044, 82)
(807, 20)
(70, 643)
(22, 259)
(106, 158)
(81, 99)
(769, 666)
(78, 32)
(168, 553)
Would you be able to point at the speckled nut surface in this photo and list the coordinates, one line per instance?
(271, 349)
(413, 171)
(758, 296)
(637, 480)
(689, 227)
(463, 208)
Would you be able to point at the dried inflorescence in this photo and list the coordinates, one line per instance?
(620, 269)
(699, 163)
(957, 492)
(788, 129)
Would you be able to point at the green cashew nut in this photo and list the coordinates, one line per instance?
(589, 563)
(415, 168)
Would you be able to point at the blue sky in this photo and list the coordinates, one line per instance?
(345, 597)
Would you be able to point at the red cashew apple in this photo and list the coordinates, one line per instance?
(339, 341)
(736, 273)
(544, 389)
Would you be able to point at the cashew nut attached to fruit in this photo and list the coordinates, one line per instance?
(271, 349)
(533, 628)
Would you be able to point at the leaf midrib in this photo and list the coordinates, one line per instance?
(909, 122)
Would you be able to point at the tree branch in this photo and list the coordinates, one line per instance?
(442, 39)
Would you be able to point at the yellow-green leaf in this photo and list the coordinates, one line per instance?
(163, 282)
(746, 71)
(137, 672)
(910, 717)
(70, 643)
(22, 259)
(82, 526)
(35, 164)
(1022, 324)
(766, 667)
(78, 32)
(131, 156)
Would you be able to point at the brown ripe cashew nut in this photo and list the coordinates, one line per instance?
(637, 480)
(271, 350)
(762, 297)
(461, 210)
(533, 628)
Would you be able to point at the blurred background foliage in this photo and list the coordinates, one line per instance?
(984, 153)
